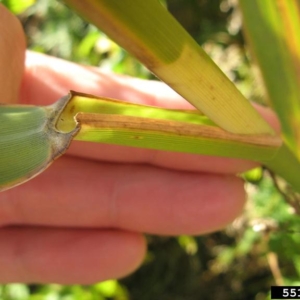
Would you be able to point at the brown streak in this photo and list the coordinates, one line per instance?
(173, 127)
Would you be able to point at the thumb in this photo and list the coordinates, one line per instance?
(12, 53)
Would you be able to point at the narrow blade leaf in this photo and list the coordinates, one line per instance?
(149, 32)
(272, 28)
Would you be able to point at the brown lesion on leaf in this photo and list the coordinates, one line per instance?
(173, 127)
(137, 137)
(72, 109)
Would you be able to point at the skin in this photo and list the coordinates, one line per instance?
(83, 219)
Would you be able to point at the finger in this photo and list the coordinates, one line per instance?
(83, 193)
(12, 49)
(165, 159)
(67, 256)
(48, 78)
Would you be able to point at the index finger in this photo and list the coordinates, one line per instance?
(47, 79)
(12, 45)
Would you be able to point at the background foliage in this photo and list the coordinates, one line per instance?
(258, 250)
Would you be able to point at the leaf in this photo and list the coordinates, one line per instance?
(272, 28)
(150, 33)
(29, 141)
(115, 122)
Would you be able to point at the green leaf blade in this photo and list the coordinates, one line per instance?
(149, 32)
(110, 121)
(272, 28)
(29, 141)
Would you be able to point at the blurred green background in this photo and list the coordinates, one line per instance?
(257, 250)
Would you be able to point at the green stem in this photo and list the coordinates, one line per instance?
(286, 165)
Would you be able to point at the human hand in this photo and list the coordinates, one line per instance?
(83, 219)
